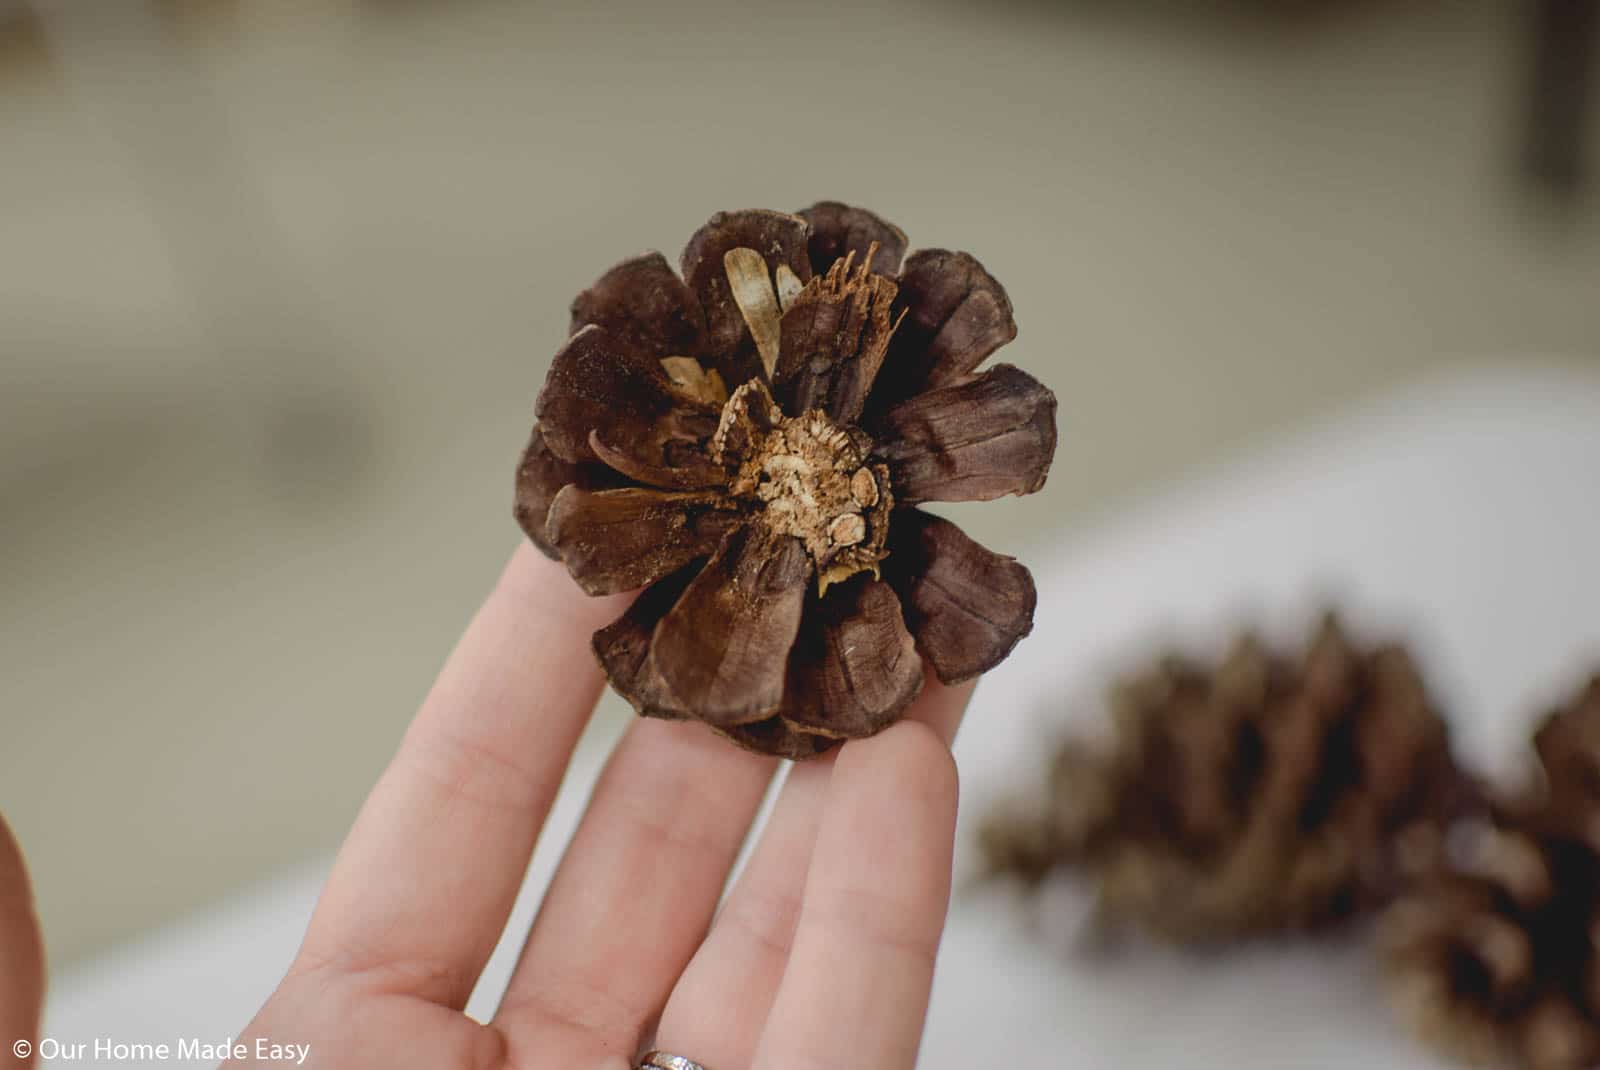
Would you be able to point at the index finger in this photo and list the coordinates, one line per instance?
(426, 879)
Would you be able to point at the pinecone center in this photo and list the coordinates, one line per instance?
(808, 478)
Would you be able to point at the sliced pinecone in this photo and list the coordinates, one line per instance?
(1269, 794)
(1492, 958)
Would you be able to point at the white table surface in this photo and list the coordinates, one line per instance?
(1463, 514)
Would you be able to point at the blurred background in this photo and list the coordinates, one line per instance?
(280, 279)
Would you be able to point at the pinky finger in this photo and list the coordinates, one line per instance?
(855, 991)
(21, 951)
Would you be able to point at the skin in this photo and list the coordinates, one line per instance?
(821, 956)
(21, 951)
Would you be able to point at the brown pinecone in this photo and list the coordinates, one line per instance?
(1270, 794)
(1492, 957)
(749, 443)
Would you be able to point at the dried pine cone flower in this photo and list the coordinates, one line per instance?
(1494, 958)
(1268, 794)
(749, 442)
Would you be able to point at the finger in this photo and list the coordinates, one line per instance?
(634, 893)
(426, 879)
(21, 948)
(717, 1011)
(855, 991)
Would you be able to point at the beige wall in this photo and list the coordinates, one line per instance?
(276, 293)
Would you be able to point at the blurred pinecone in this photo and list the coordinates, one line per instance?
(1492, 958)
(1269, 794)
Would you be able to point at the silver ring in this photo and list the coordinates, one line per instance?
(661, 1060)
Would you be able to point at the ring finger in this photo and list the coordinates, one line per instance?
(717, 1012)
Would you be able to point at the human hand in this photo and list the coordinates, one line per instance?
(819, 957)
(21, 957)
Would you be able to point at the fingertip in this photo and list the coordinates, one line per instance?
(530, 572)
(928, 752)
(909, 762)
(532, 579)
(527, 572)
(941, 706)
